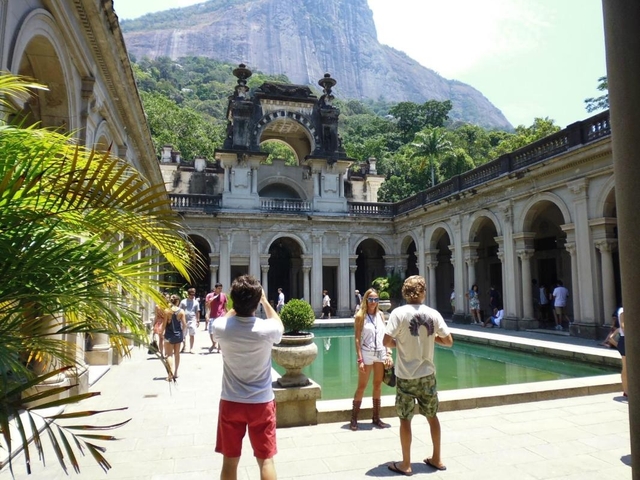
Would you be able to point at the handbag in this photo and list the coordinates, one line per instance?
(390, 376)
(153, 347)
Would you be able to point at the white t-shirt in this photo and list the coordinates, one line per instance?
(246, 352)
(620, 310)
(544, 300)
(560, 295)
(326, 301)
(498, 318)
(414, 327)
(280, 299)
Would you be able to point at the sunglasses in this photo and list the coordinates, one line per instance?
(371, 300)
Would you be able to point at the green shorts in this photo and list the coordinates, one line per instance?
(423, 389)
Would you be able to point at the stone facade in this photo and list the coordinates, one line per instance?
(545, 212)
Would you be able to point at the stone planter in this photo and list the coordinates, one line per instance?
(384, 305)
(294, 353)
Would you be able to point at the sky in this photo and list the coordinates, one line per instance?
(530, 58)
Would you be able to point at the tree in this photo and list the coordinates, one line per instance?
(523, 136)
(411, 118)
(82, 233)
(601, 102)
(430, 145)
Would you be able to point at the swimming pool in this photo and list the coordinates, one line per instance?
(466, 365)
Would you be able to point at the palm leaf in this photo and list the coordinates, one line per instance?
(79, 228)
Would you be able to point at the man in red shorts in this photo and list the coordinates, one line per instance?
(247, 399)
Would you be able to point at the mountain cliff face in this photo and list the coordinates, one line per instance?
(303, 39)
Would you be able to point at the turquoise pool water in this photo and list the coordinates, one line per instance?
(465, 365)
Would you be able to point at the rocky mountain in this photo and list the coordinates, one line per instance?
(303, 39)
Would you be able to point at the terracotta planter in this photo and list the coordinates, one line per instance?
(294, 353)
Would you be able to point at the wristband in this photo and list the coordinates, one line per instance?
(359, 360)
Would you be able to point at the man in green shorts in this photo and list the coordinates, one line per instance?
(414, 329)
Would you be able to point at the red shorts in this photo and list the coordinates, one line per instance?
(233, 420)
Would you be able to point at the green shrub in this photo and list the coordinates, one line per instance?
(384, 295)
(391, 284)
(297, 316)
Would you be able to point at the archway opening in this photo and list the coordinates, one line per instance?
(289, 134)
(444, 271)
(489, 266)
(49, 108)
(370, 263)
(285, 269)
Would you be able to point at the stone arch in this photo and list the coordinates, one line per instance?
(285, 252)
(529, 211)
(39, 52)
(606, 202)
(436, 228)
(476, 221)
(357, 241)
(484, 227)
(287, 127)
(282, 180)
(439, 241)
(269, 241)
(370, 261)
(103, 138)
(409, 247)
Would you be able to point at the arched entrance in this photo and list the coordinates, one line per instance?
(370, 263)
(444, 271)
(411, 265)
(550, 261)
(285, 269)
(49, 108)
(488, 266)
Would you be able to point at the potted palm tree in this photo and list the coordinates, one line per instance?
(297, 349)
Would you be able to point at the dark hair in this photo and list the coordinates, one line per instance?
(245, 293)
(175, 300)
(217, 285)
(560, 283)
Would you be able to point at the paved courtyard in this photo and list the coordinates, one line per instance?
(171, 435)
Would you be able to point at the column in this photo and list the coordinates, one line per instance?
(431, 265)
(305, 281)
(575, 281)
(421, 251)
(352, 282)
(225, 262)
(254, 255)
(608, 278)
(471, 261)
(622, 39)
(315, 296)
(527, 300)
(509, 262)
(213, 275)
(264, 269)
(341, 185)
(225, 187)
(584, 253)
(254, 181)
(344, 292)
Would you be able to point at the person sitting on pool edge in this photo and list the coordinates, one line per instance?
(496, 319)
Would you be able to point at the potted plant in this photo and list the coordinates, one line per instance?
(385, 302)
(297, 349)
(388, 288)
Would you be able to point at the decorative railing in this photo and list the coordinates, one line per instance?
(183, 202)
(284, 205)
(575, 135)
(368, 208)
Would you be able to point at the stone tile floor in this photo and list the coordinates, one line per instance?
(171, 434)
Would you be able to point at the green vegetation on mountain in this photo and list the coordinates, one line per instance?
(417, 145)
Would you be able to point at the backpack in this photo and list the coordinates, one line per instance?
(173, 331)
